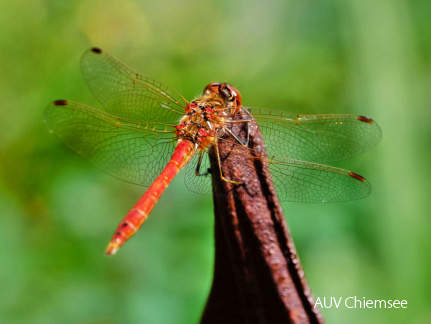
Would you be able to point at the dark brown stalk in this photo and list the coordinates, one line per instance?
(257, 276)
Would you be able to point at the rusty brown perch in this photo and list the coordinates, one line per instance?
(257, 275)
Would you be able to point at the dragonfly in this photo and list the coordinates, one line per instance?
(149, 132)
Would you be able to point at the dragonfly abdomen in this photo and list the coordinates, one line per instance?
(142, 209)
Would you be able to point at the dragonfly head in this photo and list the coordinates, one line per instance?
(228, 93)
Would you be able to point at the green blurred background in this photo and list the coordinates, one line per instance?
(58, 211)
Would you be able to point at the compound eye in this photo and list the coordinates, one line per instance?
(212, 87)
(233, 93)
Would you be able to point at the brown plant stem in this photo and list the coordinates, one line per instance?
(257, 275)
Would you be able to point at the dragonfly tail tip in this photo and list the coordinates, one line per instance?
(112, 249)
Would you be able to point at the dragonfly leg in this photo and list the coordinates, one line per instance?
(243, 143)
(248, 125)
(219, 166)
(198, 166)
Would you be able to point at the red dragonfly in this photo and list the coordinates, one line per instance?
(149, 125)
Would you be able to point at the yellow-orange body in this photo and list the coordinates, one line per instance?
(202, 122)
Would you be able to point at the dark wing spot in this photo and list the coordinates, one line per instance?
(357, 176)
(96, 50)
(60, 102)
(365, 119)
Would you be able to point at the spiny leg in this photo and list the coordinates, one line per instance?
(243, 143)
(239, 139)
(198, 166)
(219, 166)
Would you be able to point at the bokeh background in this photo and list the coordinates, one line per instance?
(58, 211)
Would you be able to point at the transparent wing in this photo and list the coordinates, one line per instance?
(300, 181)
(316, 138)
(127, 94)
(201, 184)
(129, 150)
(294, 180)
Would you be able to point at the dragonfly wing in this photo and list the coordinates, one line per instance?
(300, 181)
(201, 184)
(129, 150)
(317, 138)
(127, 94)
(295, 181)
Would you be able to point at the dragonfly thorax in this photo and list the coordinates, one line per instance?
(206, 115)
(202, 121)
